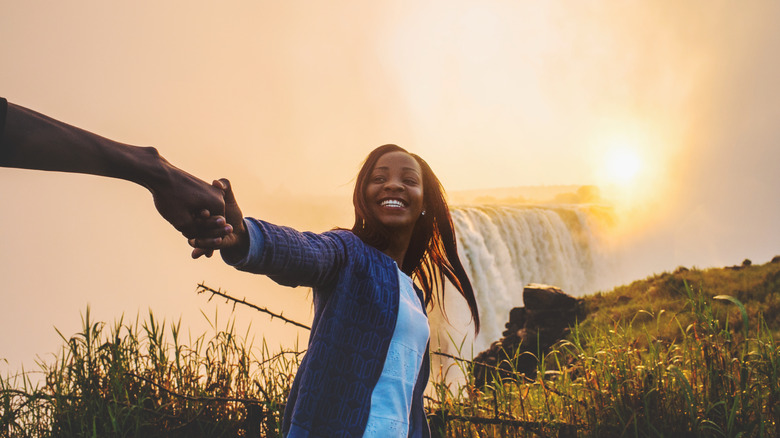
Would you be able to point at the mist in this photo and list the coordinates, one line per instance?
(721, 203)
(286, 100)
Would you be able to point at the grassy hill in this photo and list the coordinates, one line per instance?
(757, 287)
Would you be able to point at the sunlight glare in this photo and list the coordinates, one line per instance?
(623, 164)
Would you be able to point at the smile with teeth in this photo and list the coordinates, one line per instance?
(392, 203)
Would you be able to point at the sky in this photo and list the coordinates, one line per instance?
(671, 107)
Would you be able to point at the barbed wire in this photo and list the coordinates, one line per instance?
(203, 288)
(444, 416)
(565, 429)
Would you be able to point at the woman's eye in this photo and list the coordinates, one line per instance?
(378, 179)
(410, 181)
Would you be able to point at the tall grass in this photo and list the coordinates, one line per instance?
(710, 368)
(622, 380)
(141, 380)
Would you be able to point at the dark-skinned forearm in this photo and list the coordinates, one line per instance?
(31, 140)
(36, 141)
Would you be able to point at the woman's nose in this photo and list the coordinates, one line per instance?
(393, 185)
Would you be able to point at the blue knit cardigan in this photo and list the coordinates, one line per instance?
(355, 310)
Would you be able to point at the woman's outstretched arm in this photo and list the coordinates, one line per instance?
(287, 256)
(30, 140)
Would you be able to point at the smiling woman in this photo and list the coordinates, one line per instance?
(367, 363)
(395, 192)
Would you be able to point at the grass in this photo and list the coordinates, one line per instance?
(685, 354)
(756, 286)
(674, 355)
(140, 380)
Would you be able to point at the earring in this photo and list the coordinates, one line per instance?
(423, 213)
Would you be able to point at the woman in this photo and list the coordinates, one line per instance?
(367, 363)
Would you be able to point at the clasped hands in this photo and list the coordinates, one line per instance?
(206, 214)
(225, 233)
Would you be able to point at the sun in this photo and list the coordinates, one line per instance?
(630, 159)
(622, 164)
(619, 158)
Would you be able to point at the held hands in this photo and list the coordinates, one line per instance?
(182, 199)
(227, 234)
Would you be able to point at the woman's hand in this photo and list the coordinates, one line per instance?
(227, 234)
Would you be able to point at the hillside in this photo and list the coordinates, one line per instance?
(667, 295)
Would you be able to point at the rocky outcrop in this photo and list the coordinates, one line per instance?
(745, 264)
(530, 332)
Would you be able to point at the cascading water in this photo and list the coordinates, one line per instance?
(504, 248)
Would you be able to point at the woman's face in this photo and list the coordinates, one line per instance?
(394, 193)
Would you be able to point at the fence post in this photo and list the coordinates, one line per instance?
(254, 418)
(437, 424)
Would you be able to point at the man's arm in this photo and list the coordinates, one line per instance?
(30, 140)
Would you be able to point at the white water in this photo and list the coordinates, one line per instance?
(504, 248)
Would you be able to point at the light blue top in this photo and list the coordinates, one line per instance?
(391, 399)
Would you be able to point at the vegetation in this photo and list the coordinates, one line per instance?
(137, 380)
(685, 354)
(689, 353)
(757, 287)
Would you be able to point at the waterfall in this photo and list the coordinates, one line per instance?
(504, 248)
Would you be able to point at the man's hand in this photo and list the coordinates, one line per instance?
(233, 245)
(182, 198)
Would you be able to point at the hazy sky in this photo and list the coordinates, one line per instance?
(287, 98)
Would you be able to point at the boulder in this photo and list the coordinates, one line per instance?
(530, 332)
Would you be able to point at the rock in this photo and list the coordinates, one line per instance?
(543, 297)
(530, 331)
(745, 264)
